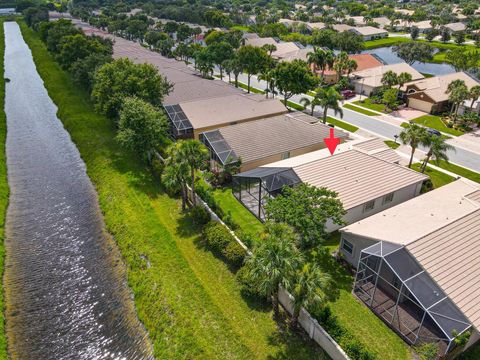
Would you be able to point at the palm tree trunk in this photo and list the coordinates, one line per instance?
(229, 78)
(276, 308)
(236, 80)
(184, 196)
(312, 108)
(249, 83)
(471, 105)
(425, 162)
(325, 109)
(411, 157)
(221, 72)
(194, 198)
(295, 315)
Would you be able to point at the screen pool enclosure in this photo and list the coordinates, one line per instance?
(252, 188)
(391, 282)
(180, 126)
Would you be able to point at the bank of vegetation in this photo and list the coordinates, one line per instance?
(4, 191)
(186, 296)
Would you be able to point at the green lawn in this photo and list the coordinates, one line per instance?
(435, 122)
(240, 27)
(342, 124)
(438, 178)
(392, 144)
(245, 87)
(469, 174)
(360, 110)
(4, 191)
(367, 103)
(239, 213)
(388, 41)
(188, 300)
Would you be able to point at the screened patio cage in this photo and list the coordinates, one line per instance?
(180, 126)
(252, 188)
(221, 153)
(391, 282)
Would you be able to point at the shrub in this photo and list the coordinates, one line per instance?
(234, 253)
(200, 215)
(247, 238)
(247, 285)
(427, 351)
(227, 219)
(216, 236)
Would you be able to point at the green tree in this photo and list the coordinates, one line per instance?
(142, 128)
(414, 32)
(307, 209)
(204, 62)
(83, 70)
(195, 155)
(153, 37)
(459, 37)
(437, 148)
(318, 58)
(463, 60)
(390, 98)
(403, 78)
(233, 66)
(253, 60)
(274, 261)
(389, 79)
(413, 135)
(269, 48)
(329, 99)
(457, 93)
(348, 41)
(122, 78)
(219, 53)
(445, 35)
(79, 46)
(474, 95)
(175, 176)
(311, 289)
(414, 51)
(293, 78)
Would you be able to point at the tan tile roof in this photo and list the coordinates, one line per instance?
(341, 27)
(457, 26)
(357, 177)
(422, 25)
(450, 255)
(258, 139)
(373, 76)
(423, 214)
(368, 30)
(436, 87)
(229, 109)
(260, 41)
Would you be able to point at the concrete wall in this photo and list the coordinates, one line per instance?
(357, 213)
(313, 328)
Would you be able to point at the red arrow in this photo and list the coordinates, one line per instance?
(332, 142)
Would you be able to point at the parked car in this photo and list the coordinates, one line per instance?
(347, 94)
(434, 132)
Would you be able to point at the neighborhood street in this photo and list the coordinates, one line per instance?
(381, 128)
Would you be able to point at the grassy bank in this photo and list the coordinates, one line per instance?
(435, 122)
(4, 191)
(360, 110)
(438, 178)
(188, 300)
(341, 124)
(388, 41)
(466, 173)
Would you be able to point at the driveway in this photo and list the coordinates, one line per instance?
(407, 114)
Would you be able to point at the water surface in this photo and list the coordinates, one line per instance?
(65, 290)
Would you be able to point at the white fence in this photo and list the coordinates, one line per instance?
(313, 328)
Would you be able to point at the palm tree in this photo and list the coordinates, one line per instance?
(193, 154)
(176, 173)
(274, 261)
(413, 135)
(437, 148)
(311, 288)
(269, 48)
(403, 78)
(268, 75)
(474, 95)
(351, 66)
(329, 99)
(389, 79)
(318, 58)
(457, 93)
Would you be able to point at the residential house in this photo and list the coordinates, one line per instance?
(430, 94)
(369, 80)
(417, 265)
(423, 26)
(456, 27)
(341, 27)
(364, 173)
(311, 27)
(364, 61)
(260, 142)
(370, 32)
(192, 117)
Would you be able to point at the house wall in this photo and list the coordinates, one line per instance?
(277, 157)
(420, 105)
(359, 243)
(362, 89)
(357, 213)
(474, 338)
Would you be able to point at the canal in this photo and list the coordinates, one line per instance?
(65, 283)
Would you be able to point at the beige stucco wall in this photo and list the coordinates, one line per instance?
(420, 105)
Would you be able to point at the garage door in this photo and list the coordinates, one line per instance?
(420, 105)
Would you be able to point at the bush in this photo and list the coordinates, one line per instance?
(200, 215)
(247, 285)
(247, 238)
(216, 236)
(227, 219)
(234, 253)
(427, 351)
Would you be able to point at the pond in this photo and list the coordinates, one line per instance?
(389, 57)
(65, 283)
